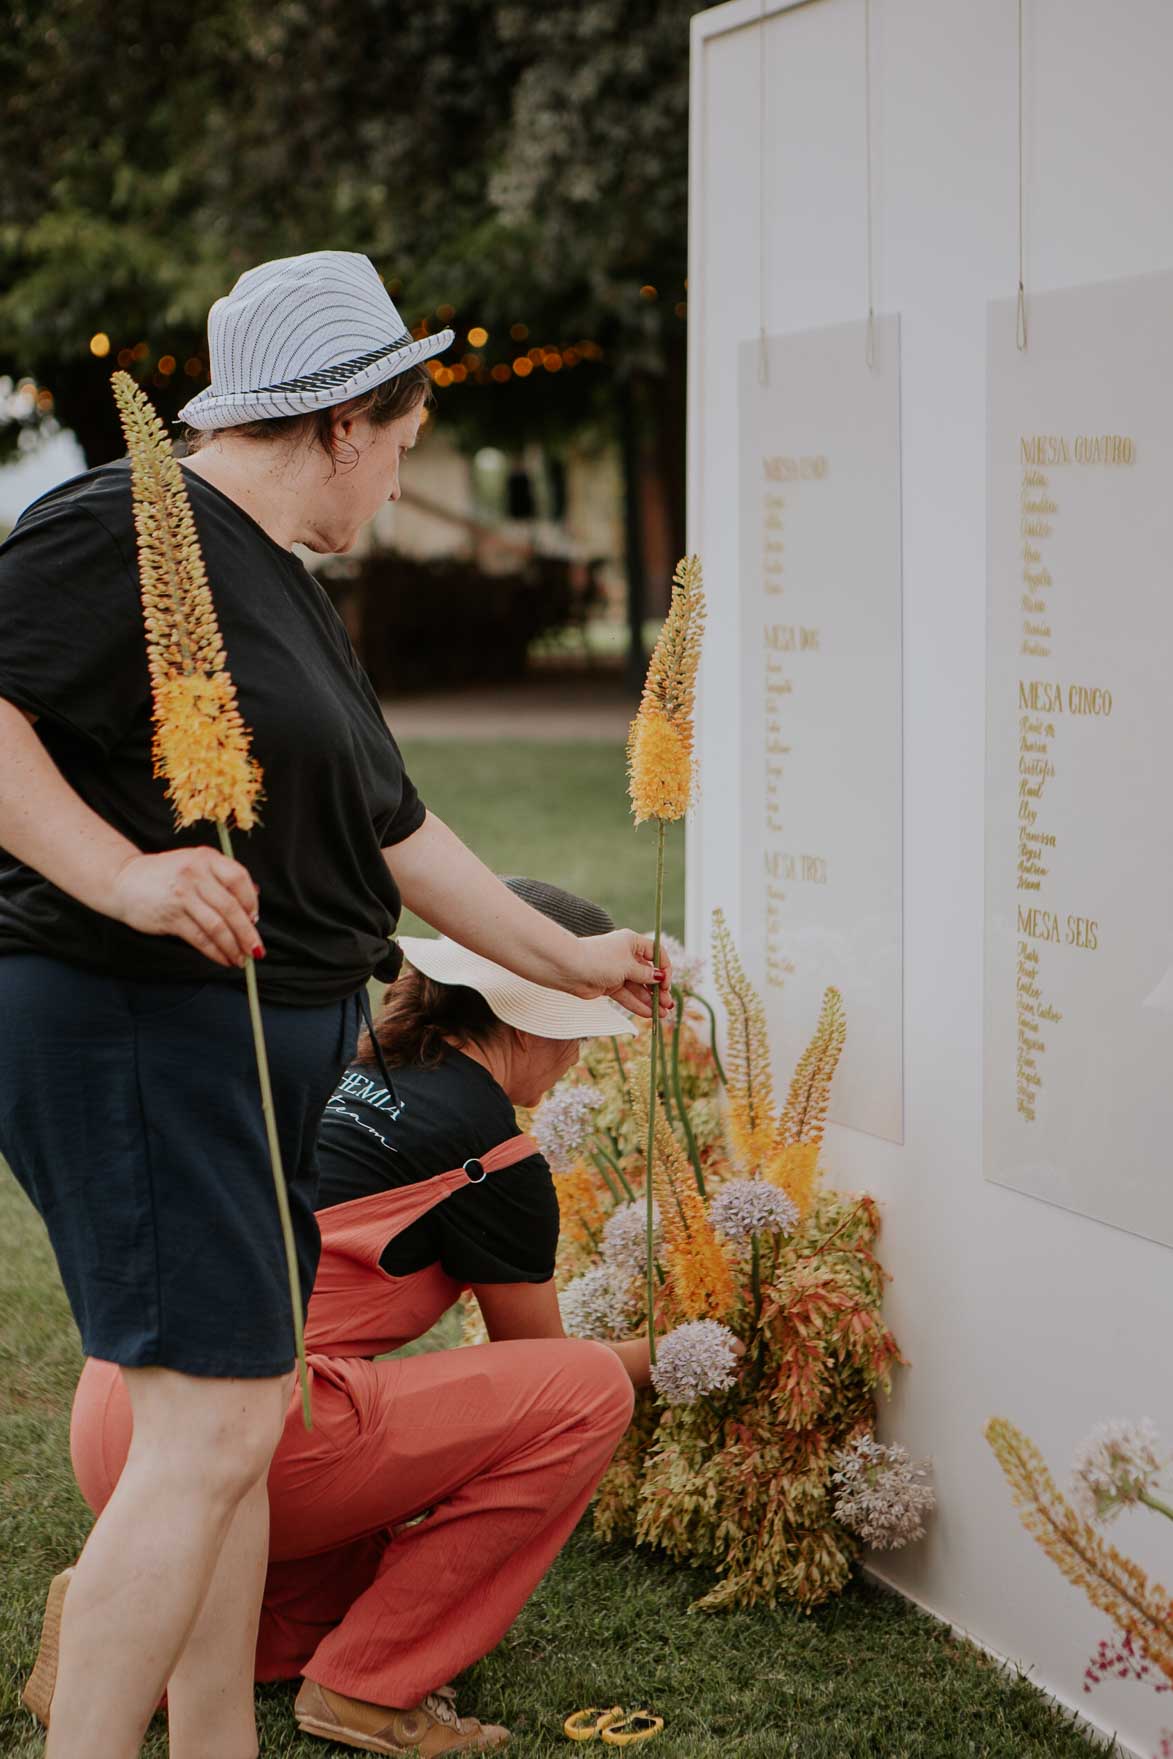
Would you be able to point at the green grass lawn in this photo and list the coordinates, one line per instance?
(865, 1678)
(557, 812)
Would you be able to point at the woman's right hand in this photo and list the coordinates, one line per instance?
(198, 894)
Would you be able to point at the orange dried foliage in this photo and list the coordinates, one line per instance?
(580, 1205)
(804, 1116)
(695, 1260)
(749, 1077)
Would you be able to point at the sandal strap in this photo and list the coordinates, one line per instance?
(578, 1728)
(620, 1734)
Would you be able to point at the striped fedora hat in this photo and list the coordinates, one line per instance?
(303, 333)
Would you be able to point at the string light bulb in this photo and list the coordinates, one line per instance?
(100, 344)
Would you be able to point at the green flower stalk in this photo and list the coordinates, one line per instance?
(662, 773)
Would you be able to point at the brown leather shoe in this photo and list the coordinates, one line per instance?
(432, 1728)
(38, 1692)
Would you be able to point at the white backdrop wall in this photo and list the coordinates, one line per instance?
(1002, 1303)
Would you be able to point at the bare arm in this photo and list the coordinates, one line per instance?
(445, 883)
(197, 894)
(530, 1310)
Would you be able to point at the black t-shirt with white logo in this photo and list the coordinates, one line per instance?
(73, 652)
(503, 1229)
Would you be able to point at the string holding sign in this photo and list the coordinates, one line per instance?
(1021, 312)
(763, 205)
(870, 342)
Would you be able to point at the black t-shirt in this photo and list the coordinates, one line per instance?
(73, 652)
(504, 1229)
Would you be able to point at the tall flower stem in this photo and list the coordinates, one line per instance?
(666, 1089)
(605, 1155)
(678, 1090)
(254, 1009)
(605, 1174)
(708, 1007)
(1155, 1502)
(649, 1158)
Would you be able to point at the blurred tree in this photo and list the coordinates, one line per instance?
(525, 164)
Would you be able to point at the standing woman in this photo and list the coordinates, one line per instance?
(129, 1108)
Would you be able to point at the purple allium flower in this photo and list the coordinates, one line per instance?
(687, 968)
(625, 1238)
(747, 1206)
(1117, 1462)
(697, 1358)
(883, 1496)
(593, 1305)
(562, 1124)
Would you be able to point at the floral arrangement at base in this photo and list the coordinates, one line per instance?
(693, 1211)
(754, 1451)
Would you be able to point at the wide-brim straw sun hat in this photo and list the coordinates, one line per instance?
(301, 334)
(547, 1013)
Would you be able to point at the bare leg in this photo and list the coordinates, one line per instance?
(210, 1695)
(199, 1448)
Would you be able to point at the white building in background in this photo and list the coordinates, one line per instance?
(1037, 1311)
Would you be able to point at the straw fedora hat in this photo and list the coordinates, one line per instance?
(300, 334)
(547, 1013)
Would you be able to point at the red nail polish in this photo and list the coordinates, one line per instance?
(258, 952)
(659, 976)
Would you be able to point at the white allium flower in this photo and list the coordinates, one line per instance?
(699, 1357)
(747, 1206)
(883, 1495)
(1117, 1461)
(625, 1238)
(593, 1305)
(687, 968)
(562, 1124)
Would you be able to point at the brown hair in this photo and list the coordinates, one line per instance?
(385, 404)
(418, 1016)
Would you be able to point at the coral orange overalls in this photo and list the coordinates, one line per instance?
(410, 1525)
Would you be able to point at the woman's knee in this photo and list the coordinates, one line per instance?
(218, 1434)
(600, 1386)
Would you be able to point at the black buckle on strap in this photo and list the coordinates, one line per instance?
(479, 1175)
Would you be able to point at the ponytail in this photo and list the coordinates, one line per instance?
(418, 1017)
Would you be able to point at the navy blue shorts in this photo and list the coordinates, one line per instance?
(131, 1114)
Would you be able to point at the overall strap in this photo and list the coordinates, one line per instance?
(363, 1226)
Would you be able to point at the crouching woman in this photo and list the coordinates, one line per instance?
(409, 1527)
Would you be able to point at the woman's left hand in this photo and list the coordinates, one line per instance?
(620, 965)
